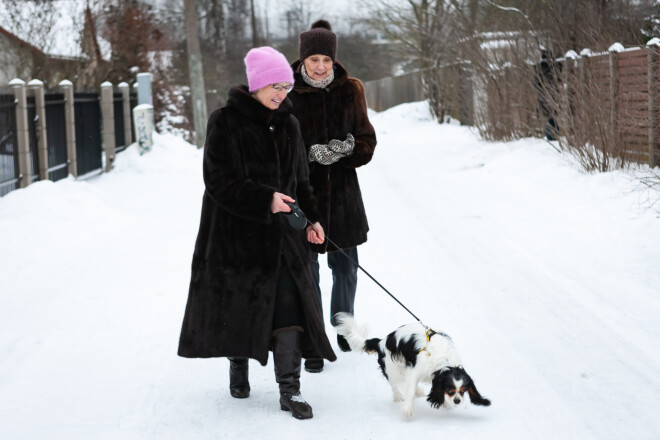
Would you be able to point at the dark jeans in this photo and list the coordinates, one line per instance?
(288, 308)
(344, 280)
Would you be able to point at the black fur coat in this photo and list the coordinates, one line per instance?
(333, 113)
(250, 153)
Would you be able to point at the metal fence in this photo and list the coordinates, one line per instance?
(8, 148)
(49, 135)
(120, 138)
(89, 146)
(33, 119)
(133, 99)
(56, 136)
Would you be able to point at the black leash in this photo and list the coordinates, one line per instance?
(298, 220)
(374, 279)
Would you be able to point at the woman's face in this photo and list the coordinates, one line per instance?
(318, 67)
(272, 95)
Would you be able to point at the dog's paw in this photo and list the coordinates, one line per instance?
(407, 410)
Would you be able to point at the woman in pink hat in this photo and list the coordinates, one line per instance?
(251, 288)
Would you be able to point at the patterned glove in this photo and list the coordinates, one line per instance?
(331, 153)
(343, 147)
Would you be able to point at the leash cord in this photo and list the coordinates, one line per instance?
(373, 279)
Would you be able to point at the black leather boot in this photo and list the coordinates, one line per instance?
(314, 365)
(239, 387)
(287, 359)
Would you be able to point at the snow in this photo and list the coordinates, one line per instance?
(616, 47)
(545, 277)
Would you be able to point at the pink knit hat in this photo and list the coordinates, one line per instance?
(264, 65)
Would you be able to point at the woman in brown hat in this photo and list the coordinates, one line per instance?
(332, 109)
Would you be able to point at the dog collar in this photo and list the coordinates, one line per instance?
(429, 333)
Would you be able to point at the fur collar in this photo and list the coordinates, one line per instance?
(240, 99)
(300, 86)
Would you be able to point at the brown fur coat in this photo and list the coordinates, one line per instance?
(333, 113)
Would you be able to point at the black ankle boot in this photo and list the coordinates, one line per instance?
(314, 365)
(239, 387)
(297, 405)
(288, 359)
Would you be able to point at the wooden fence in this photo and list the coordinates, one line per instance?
(609, 100)
(388, 92)
(615, 91)
(620, 88)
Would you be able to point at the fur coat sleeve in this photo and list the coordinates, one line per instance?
(225, 186)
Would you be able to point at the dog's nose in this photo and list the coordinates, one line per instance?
(457, 401)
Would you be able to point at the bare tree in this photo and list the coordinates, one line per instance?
(298, 16)
(131, 29)
(426, 35)
(195, 72)
(562, 25)
(237, 14)
(35, 22)
(213, 27)
(35, 19)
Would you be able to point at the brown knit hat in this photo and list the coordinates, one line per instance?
(319, 39)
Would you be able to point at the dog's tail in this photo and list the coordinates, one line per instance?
(354, 334)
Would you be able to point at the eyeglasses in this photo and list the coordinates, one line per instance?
(279, 87)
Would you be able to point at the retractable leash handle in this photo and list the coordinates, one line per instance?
(297, 220)
(296, 217)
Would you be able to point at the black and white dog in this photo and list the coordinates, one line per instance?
(411, 355)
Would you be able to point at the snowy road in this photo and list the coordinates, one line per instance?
(546, 278)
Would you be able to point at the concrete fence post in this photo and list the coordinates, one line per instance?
(42, 139)
(22, 133)
(144, 88)
(108, 116)
(126, 106)
(143, 115)
(144, 80)
(70, 124)
(652, 66)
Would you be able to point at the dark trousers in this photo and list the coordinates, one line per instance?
(288, 308)
(344, 280)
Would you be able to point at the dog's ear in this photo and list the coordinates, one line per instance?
(436, 397)
(475, 397)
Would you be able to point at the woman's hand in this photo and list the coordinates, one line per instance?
(315, 233)
(278, 205)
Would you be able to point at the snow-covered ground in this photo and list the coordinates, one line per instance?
(546, 278)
